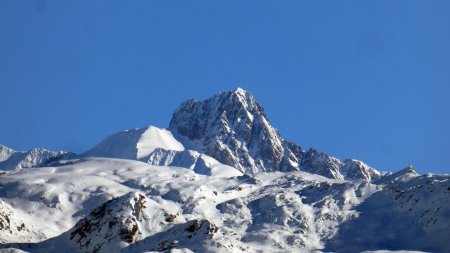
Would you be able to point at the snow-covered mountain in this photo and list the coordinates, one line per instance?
(232, 128)
(17, 160)
(220, 178)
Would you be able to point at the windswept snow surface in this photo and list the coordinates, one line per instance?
(157, 146)
(135, 143)
(105, 205)
(154, 138)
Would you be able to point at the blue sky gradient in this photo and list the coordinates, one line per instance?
(363, 79)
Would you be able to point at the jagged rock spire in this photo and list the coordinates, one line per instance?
(233, 128)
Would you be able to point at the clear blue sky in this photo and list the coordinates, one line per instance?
(362, 79)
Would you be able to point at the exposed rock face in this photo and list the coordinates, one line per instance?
(194, 234)
(321, 164)
(233, 128)
(331, 167)
(12, 227)
(119, 222)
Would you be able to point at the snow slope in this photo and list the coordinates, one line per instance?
(158, 147)
(135, 143)
(104, 204)
(199, 163)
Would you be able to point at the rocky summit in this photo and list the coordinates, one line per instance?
(233, 128)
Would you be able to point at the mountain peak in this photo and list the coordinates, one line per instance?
(241, 92)
(400, 175)
(4, 148)
(5, 153)
(233, 128)
(410, 169)
(221, 112)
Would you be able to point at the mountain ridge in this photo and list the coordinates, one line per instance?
(233, 128)
(230, 127)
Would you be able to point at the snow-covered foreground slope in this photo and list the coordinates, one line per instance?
(109, 205)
